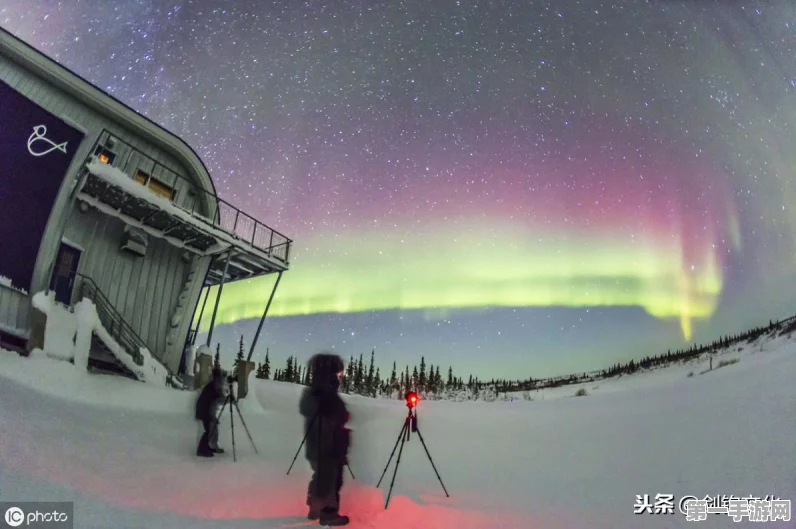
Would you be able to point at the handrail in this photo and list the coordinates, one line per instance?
(115, 324)
(225, 216)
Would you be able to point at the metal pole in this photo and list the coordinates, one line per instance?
(265, 312)
(218, 298)
(201, 313)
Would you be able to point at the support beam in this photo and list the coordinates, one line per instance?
(265, 312)
(201, 313)
(218, 298)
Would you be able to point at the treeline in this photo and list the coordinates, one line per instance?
(649, 362)
(367, 380)
(432, 383)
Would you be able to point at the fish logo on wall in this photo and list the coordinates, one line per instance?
(39, 135)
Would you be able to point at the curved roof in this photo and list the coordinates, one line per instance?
(55, 73)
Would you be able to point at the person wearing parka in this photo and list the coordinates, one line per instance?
(208, 405)
(327, 438)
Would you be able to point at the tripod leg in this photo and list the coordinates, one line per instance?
(432, 462)
(232, 429)
(246, 428)
(351, 471)
(397, 462)
(400, 436)
(302, 444)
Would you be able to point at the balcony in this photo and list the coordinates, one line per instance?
(122, 181)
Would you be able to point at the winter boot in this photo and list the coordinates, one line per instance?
(331, 518)
(314, 514)
(217, 450)
(204, 452)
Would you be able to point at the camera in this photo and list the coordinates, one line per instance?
(411, 399)
(230, 379)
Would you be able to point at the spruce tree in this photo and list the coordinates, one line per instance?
(289, 370)
(359, 376)
(393, 379)
(370, 388)
(377, 386)
(238, 359)
(308, 375)
(350, 375)
(421, 379)
(266, 366)
(217, 358)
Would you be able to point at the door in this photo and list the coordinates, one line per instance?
(64, 273)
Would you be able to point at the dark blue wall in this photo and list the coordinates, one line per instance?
(36, 149)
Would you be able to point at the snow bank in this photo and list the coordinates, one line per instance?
(67, 336)
(61, 380)
(60, 328)
(85, 314)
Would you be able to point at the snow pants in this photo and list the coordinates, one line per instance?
(323, 490)
(209, 440)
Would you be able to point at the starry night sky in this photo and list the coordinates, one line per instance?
(516, 190)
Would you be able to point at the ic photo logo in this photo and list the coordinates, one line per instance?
(14, 516)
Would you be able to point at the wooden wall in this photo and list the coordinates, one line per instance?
(144, 290)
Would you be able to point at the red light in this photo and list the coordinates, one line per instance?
(414, 399)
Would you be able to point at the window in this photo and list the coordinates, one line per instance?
(104, 155)
(158, 187)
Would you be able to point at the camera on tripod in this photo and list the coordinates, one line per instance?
(231, 401)
(410, 424)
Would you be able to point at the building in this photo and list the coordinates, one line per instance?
(99, 202)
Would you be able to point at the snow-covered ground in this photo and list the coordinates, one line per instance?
(123, 450)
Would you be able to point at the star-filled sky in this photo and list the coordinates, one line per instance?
(512, 188)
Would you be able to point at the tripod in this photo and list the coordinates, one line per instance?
(411, 420)
(232, 401)
(302, 444)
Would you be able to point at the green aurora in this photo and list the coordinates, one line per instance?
(438, 271)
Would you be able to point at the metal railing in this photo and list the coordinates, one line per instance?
(203, 205)
(117, 326)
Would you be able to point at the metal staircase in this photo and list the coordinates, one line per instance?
(120, 331)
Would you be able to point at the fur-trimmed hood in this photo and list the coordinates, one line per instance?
(324, 368)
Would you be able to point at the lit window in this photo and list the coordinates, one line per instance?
(104, 155)
(158, 187)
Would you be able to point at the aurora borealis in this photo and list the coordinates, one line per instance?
(559, 185)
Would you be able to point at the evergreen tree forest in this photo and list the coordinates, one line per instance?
(436, 382)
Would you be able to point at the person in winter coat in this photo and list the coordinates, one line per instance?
(327, 438)
(207, 407)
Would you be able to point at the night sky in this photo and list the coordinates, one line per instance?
(516, 190)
